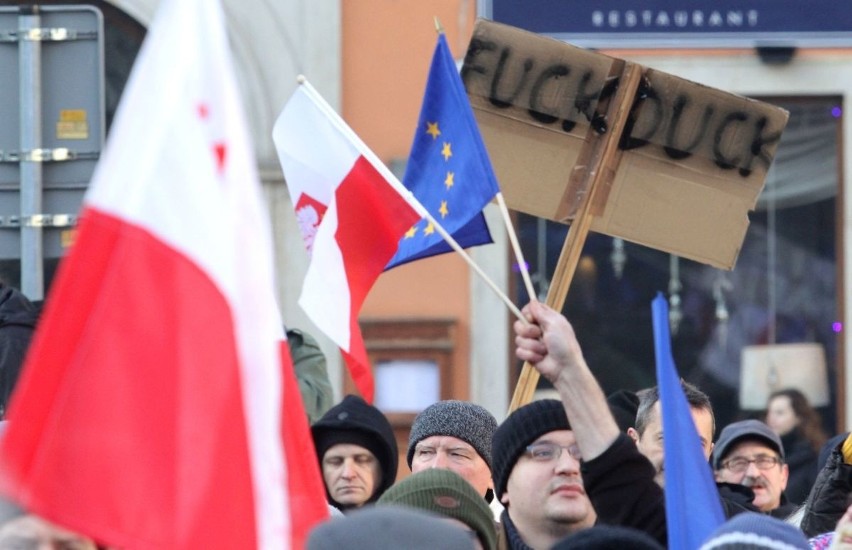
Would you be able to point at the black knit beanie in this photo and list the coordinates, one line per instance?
(355, 422)
(521, 428)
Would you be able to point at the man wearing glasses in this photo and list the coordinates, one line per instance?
(536, 468)
(617, 479)
(749, 453)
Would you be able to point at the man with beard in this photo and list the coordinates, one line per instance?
(536, 467)
(751, 454)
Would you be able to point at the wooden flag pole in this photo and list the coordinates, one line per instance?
(604, 158)
(516, 247)
(341, 125)
(507, 221)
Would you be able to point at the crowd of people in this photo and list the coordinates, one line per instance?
(584, 470)
(580, 471)
(587, 471)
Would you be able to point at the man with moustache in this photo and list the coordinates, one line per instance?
(750, 453)
(536, 467)
(648, 435)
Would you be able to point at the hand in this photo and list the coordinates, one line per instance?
(843, 534)
(547, 342)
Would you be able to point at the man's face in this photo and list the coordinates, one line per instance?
(548, 495)
(767, 484)
(351, 474)
(650, 443)
(451, 453)
(32, 532)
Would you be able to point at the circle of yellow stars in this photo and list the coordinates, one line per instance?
(447, 152)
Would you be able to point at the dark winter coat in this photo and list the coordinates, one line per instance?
(620, 483)
(801, 459)
(18, 317)
(828, 499)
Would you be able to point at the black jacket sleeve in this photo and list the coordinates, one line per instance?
(620, 483)
(828, 499)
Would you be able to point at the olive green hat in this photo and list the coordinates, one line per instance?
(445, 493)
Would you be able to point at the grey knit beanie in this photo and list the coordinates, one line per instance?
(466, 421)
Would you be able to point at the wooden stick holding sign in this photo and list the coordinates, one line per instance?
(574, 137)
(603, 158)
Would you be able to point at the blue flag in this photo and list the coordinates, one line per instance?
(693, 509)
(448, 169)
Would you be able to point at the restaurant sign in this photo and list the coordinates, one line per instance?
(680, 23)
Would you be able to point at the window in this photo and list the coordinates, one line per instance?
(784, 287)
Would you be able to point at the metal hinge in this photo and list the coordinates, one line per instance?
(38, 220)
(59, 154)
(47, 34)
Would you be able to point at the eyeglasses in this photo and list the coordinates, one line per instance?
(740, 464)
(546, 452)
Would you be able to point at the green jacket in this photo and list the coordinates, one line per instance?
(312, 374)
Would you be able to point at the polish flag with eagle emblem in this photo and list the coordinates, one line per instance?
(352, 212)
(158, 407)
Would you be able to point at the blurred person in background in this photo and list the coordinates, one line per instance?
(799, 426)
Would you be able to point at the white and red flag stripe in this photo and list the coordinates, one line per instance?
(156, 408)
(352, 212)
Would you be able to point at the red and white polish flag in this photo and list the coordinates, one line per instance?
(156, 409)
(352, 214)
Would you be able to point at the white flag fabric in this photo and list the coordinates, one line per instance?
(352, 215)
(150, 411)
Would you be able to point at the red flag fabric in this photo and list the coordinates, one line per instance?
(352, 212)
(306, 488)
(151, 408)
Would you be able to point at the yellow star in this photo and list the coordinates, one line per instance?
(432, 129)
(411, 232)
(429, 229)
(446, 151)
(449, 180)
(444, 210)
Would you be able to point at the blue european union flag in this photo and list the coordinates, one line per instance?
(693, 509)
(448, 169)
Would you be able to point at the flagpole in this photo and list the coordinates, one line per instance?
(402, 190)
(507, 221)
(513, 238)
(438, 27)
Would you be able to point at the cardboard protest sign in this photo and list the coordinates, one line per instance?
(693, 159)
